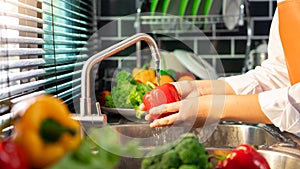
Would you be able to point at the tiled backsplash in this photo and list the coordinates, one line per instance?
(230, 46)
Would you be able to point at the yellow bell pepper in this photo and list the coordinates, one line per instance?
(163, 80)
(47, 132)
(143, 75)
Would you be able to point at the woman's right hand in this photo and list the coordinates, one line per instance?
(196, 88)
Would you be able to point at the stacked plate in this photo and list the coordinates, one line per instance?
(186, 8)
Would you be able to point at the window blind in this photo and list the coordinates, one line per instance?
(43, 47)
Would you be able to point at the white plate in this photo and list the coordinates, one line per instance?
(231, 12)
(196, 64)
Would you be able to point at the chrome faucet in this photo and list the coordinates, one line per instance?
(85, 100)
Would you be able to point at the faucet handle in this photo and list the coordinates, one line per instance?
(98, 109)
(100, 113)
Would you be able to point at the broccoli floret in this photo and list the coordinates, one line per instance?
(170, 159)
(189, 149)
(123, 77)
(188, 167)
(127, 93)
(151, 162)
(185, 153)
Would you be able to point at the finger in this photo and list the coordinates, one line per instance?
(147, 117)
(166, 108)
(142, 106)
(165, 121)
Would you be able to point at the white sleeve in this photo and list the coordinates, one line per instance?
(272, 74)
(282, 107)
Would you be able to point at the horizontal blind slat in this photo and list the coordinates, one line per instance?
(63, 95)
(7, 26)
(64, 50)
(80, 1)
(62, 59)
(29, 40)
(4, 52)
(11, 64)
(22, 75)
(62, 86)
(20, 4)
(27, 96)
(17, 89)
(71, 4)
(61, 25)
(65, 42)
(20, 16)
(66, 18)
(67, 10)
(60, 68)
(67, 34)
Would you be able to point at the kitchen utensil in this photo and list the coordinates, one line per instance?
(195, 8)
(157, 7)
(257, 56)
(231, 12)
(195, 64)
(165, 6)
(207, 7)
(153, 6)
(214, 9)
(183, 7)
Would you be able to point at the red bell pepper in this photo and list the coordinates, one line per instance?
(163, 94)
(244, 157)
(102, 97)
(12, 155)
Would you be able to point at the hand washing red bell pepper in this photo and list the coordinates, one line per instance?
(12, 156)
(244, 157)
(163, 94)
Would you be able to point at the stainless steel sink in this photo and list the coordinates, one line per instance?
(275, 159)
(223, 137)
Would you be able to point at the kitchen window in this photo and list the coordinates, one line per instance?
(43, 46)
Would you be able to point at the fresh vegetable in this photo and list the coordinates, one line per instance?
(163, 79)
(102, 97)
(100, 149)
(170, 72)
(244, 157)
(120, 92)
(187, 78)
(12, 156)
(143, 75)
(186, 153)
(163, 94)
(128, 93)
(146, 75)
(46, 131)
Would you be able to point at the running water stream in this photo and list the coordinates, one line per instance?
(157, 72)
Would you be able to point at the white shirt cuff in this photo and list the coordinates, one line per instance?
(242, 84)
(277, 107)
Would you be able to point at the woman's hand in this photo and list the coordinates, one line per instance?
(196, 88)
(208, 109)
(192, 112)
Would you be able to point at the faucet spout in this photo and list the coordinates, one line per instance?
(85, 100)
